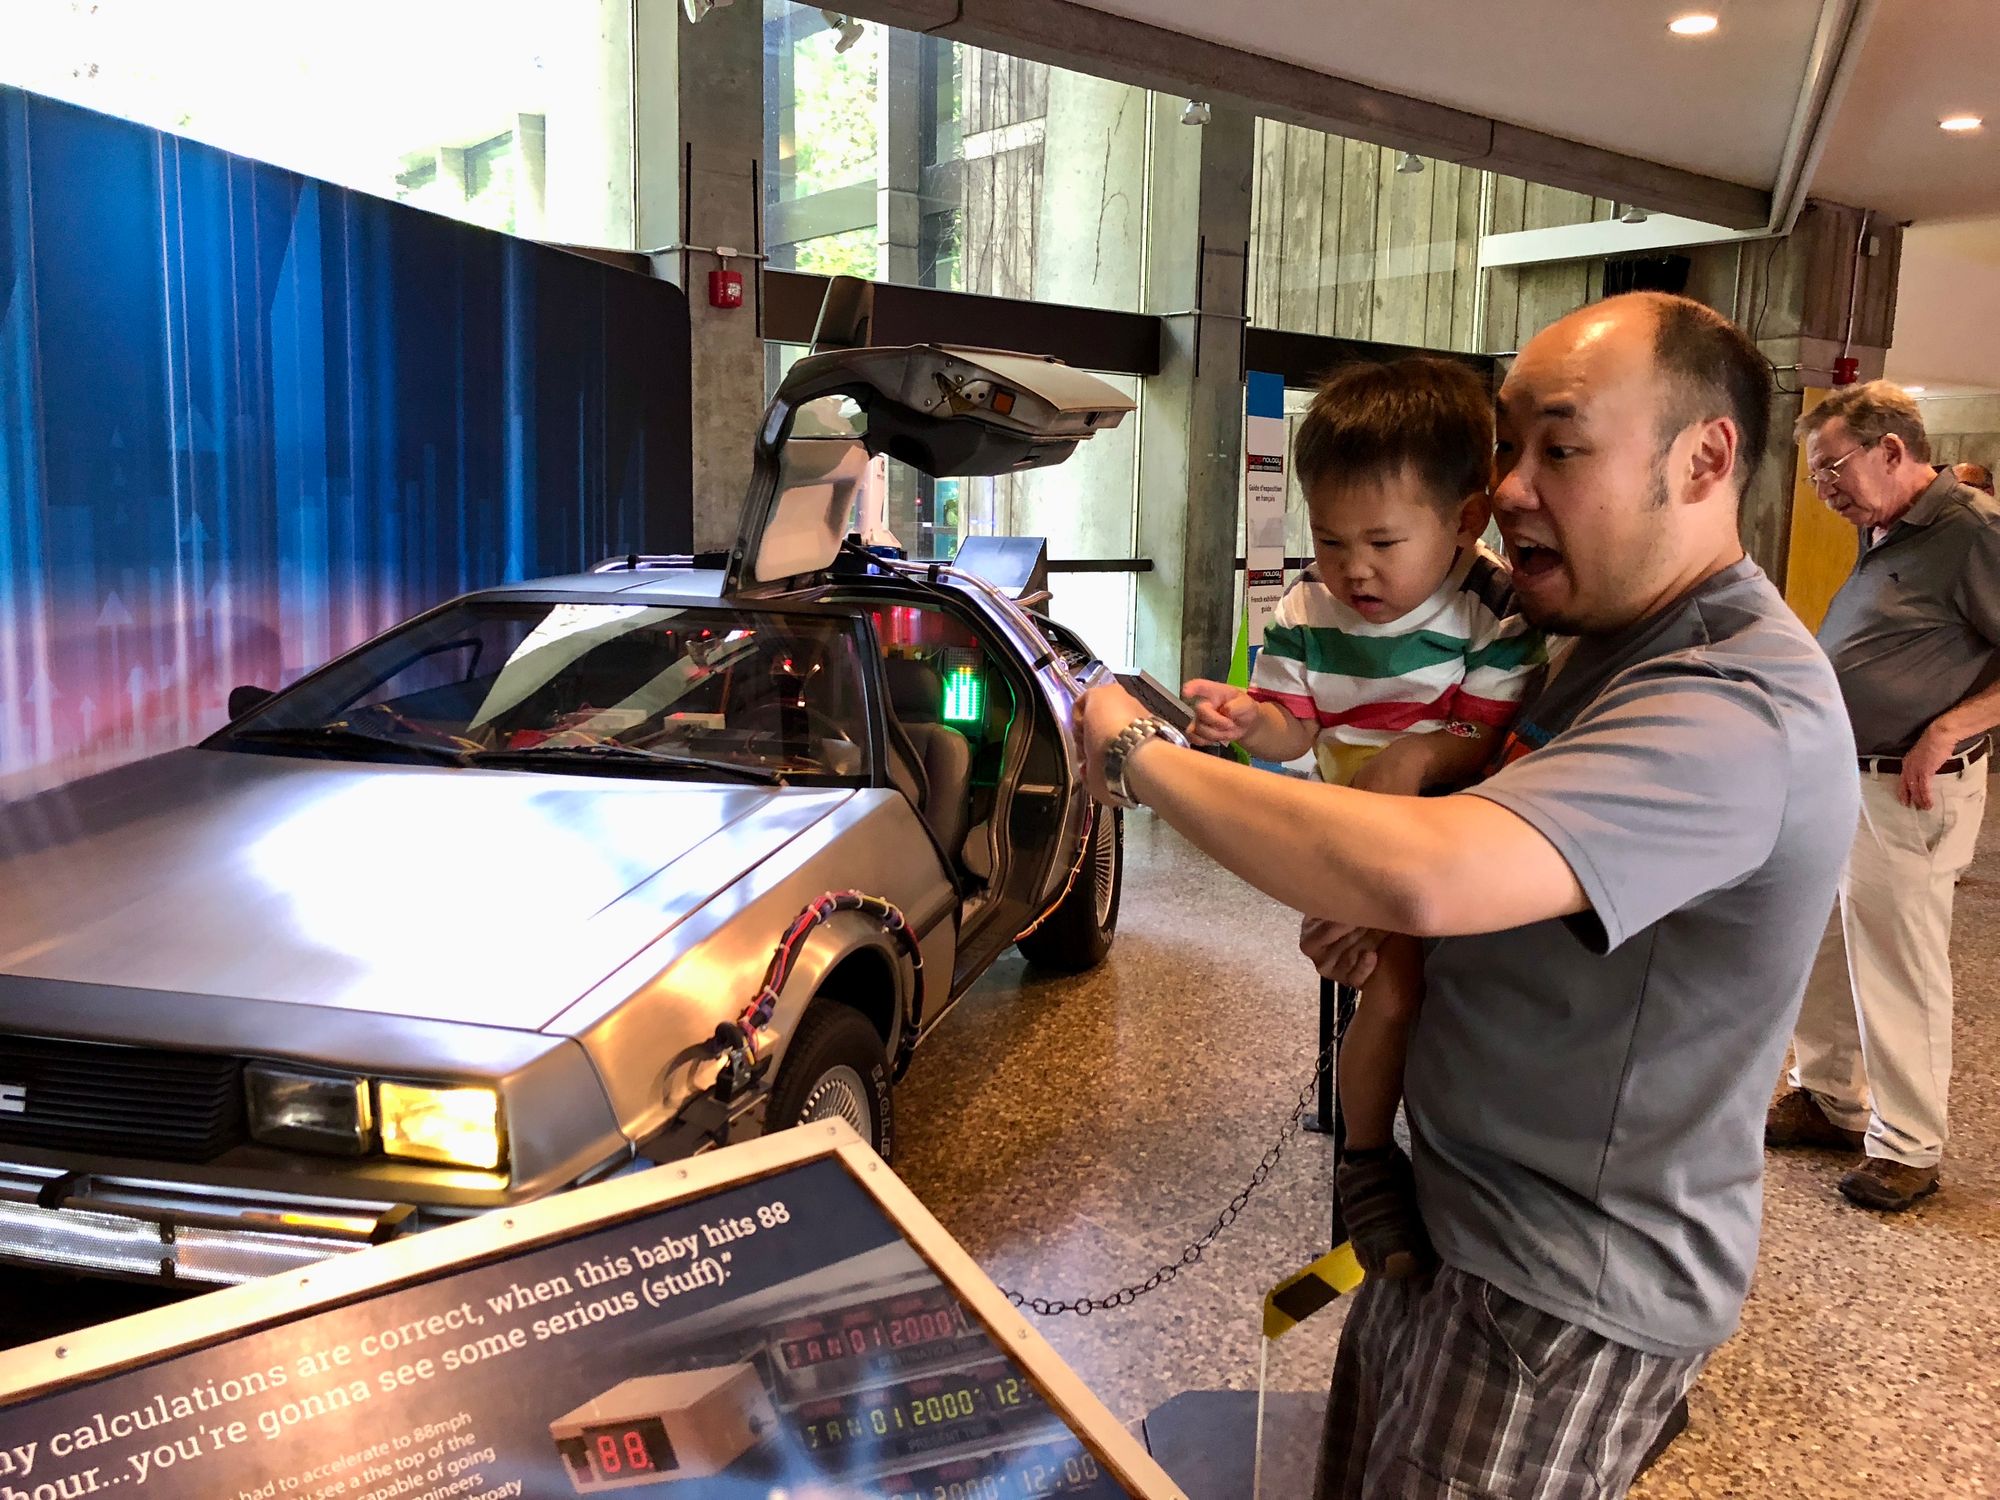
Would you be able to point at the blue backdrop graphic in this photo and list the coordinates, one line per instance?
(248, 419)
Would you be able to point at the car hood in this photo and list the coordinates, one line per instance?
(488, 896)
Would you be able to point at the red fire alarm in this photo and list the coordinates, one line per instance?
(1846, 370)
(725, 288)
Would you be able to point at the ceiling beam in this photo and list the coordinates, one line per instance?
(1070, 35)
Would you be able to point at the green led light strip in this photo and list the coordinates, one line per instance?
(964, 696)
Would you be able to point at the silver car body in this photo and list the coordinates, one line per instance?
(571, 941)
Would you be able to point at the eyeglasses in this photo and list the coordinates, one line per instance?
(1819, 479)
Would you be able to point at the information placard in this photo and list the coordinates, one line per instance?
(781, 1317)
(1264, 498)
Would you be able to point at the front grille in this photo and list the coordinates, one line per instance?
(121, 1101)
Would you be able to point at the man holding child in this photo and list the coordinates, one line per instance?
(1620, 916)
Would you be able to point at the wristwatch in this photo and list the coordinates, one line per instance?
(1119, 750)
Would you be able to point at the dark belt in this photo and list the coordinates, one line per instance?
(1892, 765)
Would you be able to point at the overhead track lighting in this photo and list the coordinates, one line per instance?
(1410, 162)
(1196, 112)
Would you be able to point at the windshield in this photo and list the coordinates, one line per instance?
(626, 688)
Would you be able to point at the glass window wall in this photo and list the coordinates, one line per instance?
(912, 159)
(513, 114)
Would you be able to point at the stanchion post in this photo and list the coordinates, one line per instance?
(1336, 1011)
(1257, 1452)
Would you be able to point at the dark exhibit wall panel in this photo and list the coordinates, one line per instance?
(248, 419)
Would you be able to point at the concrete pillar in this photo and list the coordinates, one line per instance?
(531, 176)
(1792, 296)
(899, 220)
(1090, 242)
(450, 186)
(700, 144)
(1191, 425)
(899, 208)
(1963, 429)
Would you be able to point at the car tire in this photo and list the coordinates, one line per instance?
(1077, 934)
(835, 1069)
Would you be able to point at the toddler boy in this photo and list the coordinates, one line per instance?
(1403, 625)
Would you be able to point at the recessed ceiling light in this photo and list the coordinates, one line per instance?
(1913, 390)
(1960, 122)
(1699, 23)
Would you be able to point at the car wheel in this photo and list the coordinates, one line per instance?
(835, 1069)
(1077, 934)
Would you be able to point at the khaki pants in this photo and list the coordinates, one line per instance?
(1874, 1035)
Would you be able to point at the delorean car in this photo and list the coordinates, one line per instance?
(563, 878)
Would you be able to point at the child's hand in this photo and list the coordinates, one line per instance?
(1223, 714)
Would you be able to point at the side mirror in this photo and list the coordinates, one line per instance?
(247, 700)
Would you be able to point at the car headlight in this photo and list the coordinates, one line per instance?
(456, 1125)
(320, 1112)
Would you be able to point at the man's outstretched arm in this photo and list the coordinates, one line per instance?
(1432, 867)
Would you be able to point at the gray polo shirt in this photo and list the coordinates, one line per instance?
(1912, 632)
(1587, 1097)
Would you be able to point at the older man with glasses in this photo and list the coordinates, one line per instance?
(1912, 636)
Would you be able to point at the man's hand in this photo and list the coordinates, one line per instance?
(1223, 713)
(1920, 768)
(1344, 954)
(1101, 713)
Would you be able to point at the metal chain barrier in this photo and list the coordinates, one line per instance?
(1083, 1307)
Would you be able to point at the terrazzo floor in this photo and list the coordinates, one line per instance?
(1075, 1134)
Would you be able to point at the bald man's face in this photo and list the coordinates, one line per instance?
(1581, 487)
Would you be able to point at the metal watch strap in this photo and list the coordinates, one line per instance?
(1119, 751)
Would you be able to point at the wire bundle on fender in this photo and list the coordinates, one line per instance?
(1091, 815)
(756, 1016)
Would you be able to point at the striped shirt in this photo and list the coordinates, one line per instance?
(1461, 656)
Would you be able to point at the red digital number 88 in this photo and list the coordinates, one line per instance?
(608, 1460)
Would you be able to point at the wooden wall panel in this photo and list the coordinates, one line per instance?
(1503, 286)
(1327, 250)
(1465, 264)
(1392, 257)
(1353, 250)
(1403, 219)
(1439, 266)
(1299, 277)
(1268, 219)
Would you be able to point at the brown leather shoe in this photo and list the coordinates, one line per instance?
(1797, 1120)
(1888, 1185)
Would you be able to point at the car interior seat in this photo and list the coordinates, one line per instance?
(941, 755)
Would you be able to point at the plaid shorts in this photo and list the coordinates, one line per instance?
(1446, 1386)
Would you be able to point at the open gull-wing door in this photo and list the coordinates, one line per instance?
(944, 411)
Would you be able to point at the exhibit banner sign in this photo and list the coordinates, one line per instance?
(1264, 499)
(779, 1318)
